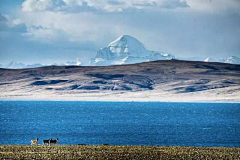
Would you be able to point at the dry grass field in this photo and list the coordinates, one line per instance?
(115, 152)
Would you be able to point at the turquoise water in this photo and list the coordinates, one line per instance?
(121, 123)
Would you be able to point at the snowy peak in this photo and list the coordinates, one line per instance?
(233, 60)
(74, 63)
(124, 40)
(127, 45)
(209, 60)
(15, 65)
(126, 50)
(123, 47)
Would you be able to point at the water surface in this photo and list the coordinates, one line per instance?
(121, 123)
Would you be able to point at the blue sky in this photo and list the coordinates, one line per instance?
(55, 31)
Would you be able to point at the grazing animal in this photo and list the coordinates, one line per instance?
(47, 141)
(53, 141)
(34, 141)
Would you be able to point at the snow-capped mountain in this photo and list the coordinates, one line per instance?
(126, 50)
(209, 60)
(14, 65)
(34, 65)
(232, 60)
(73, 63)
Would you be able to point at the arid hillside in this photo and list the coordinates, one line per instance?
(169, 80)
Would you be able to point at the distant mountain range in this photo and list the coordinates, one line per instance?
(15, 65)
(128, 50)
(231, 60)
(124, 50)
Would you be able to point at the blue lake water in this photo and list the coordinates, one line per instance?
(121, 123)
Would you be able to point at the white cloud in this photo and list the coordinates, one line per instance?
(214, 5)
(56, 16)
(16, 21)
(51, 27)
(164, 25)
(130, 5)
(36, 5)
(100, 5)
(11, 25)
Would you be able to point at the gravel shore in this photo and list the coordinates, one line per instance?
(115, 152)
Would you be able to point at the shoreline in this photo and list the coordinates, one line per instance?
(124, 98)
(116, 152)
(110, 145)
(96, 99)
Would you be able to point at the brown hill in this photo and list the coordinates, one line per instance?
(169, 80)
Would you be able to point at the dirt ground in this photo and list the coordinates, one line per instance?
(115, 152)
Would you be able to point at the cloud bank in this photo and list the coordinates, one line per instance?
(185, 28)
(129, 5)
(100, 5)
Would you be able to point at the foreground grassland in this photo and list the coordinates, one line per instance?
(115, 152)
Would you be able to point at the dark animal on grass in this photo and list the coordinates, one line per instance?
(53, 141)
(47, 141)
(34, 141)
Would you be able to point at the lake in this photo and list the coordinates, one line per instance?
(121, 123)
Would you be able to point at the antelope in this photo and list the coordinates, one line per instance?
(47, 141)
(53, 141)
(34, 141)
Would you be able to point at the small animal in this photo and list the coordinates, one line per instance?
(47, 141)
(34, 141)
(53, 141)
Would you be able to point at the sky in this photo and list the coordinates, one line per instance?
(57, 31)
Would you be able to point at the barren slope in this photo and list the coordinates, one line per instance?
(170, 80)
